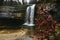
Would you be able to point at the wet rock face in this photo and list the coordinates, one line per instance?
(58, 6)
(1, 2)
(55, 12)
(58, 10)
(21, 2)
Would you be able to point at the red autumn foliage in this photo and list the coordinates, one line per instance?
(45, 19)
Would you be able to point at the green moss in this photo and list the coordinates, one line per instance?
(57, 31)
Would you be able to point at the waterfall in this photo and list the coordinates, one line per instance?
(26, 16)
(21, 1)
(32, 14)
(27, 2)
(29, 17)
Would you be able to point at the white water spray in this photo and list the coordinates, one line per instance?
(32, 14)
(27, 1)
(29, 18)
(26, 16)
(21, 1)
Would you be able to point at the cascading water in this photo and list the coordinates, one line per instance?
(32, 15)
(21, 1)
(29, 17)
(26, 16)
(29, 20)
(27, 2)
